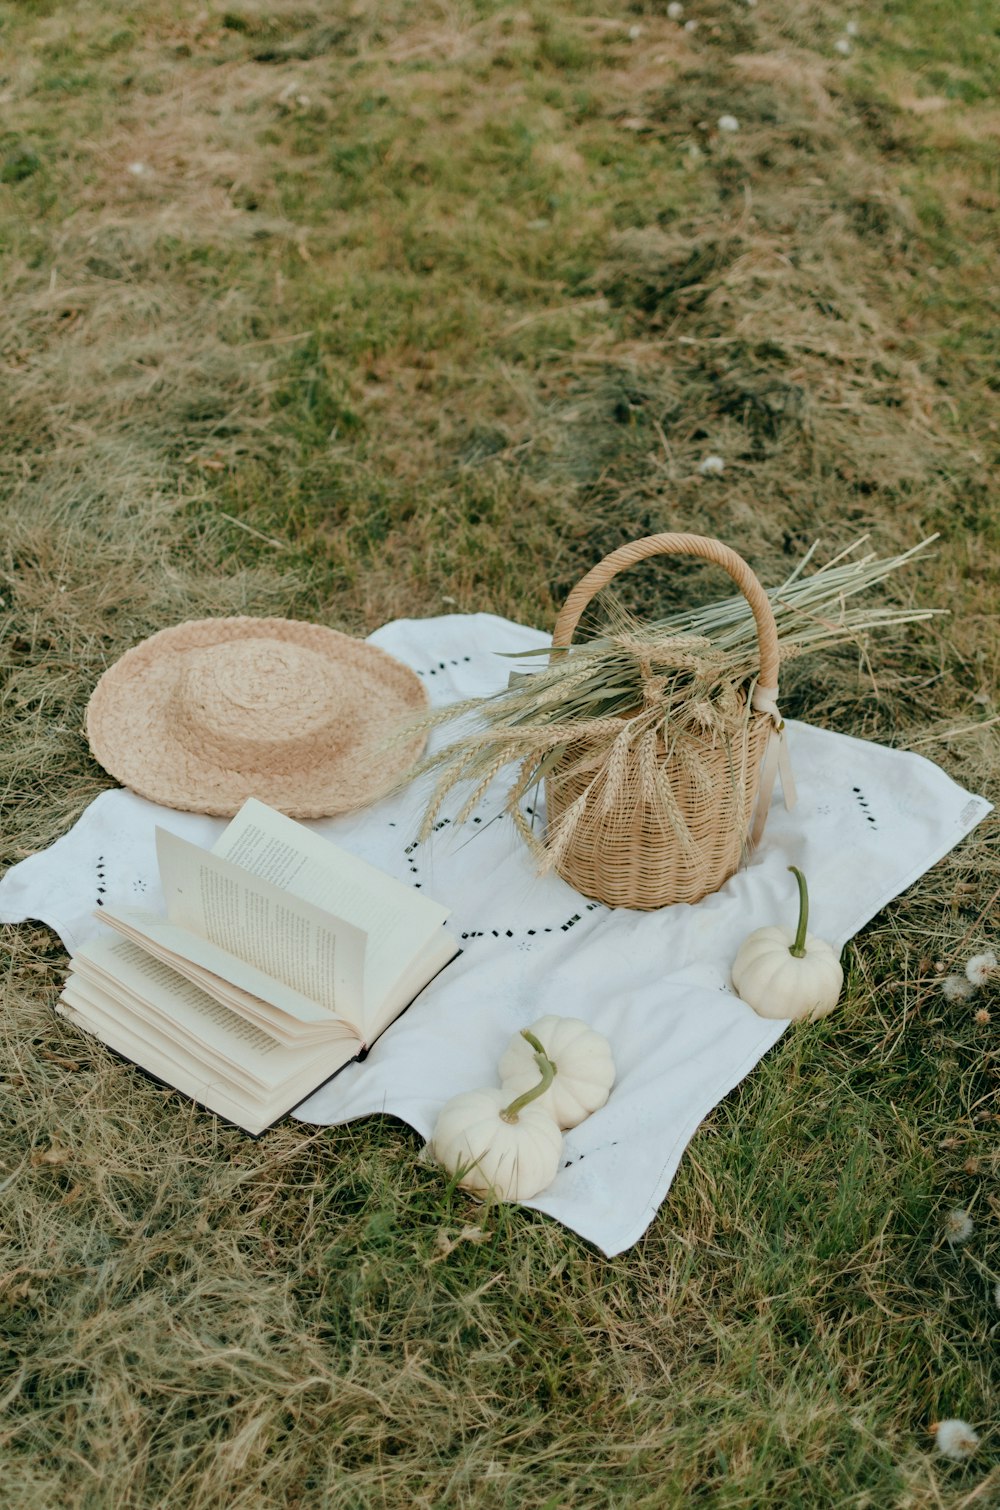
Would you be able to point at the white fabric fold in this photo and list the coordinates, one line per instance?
(869, 821)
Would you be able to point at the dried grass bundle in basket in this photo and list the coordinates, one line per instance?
(655, 742)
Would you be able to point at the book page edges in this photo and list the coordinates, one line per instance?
(252, 1116)
(176, 947)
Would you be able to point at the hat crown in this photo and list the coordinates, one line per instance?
(255, 703)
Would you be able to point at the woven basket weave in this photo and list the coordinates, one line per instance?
(633, 857)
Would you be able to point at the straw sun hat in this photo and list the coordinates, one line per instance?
(206, 714)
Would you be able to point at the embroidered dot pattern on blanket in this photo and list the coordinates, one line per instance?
(869, 821)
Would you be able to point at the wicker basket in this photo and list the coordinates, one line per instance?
(632, 858)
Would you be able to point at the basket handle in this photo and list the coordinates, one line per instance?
(766, 690)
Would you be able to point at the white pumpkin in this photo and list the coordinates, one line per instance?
(506, 1147)
(514, 1160)
(584, 1068)
(786, 975)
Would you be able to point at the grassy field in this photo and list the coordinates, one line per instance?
(353, 310)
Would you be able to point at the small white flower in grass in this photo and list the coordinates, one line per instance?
(958, 1227)
(690, 26)
(843, 46)
(137, 169)
(728, 123)
(634, 33)
(852, 28)
(711, 466)
(956, 988)
(956, 1440)
(751, 3)
(675, 10)
(981, 967)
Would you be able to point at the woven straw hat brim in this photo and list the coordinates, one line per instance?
(134, 731)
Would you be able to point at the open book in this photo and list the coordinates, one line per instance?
(280, 959)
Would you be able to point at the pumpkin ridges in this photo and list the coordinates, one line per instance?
(585, 1068)
(502, 1167)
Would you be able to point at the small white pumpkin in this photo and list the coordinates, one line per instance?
(584, 1068)
(508, 1148)
(785, 975)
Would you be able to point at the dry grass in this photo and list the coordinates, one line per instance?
(418, 306)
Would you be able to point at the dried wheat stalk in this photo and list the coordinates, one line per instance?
(640, 691)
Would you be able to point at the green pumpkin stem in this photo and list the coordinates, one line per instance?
(798, 948)
(548, 1073)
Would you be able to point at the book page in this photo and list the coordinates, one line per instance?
(194, 1022)
(398, 922)
(213, 1083)
(279, 933)
(281, 1011)
(203, 1026)
(439, 952)
(154, 1050)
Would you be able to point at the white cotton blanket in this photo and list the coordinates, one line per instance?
(869, 821)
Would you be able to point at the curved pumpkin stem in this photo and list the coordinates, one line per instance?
(798, 947)
(548, 1073)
